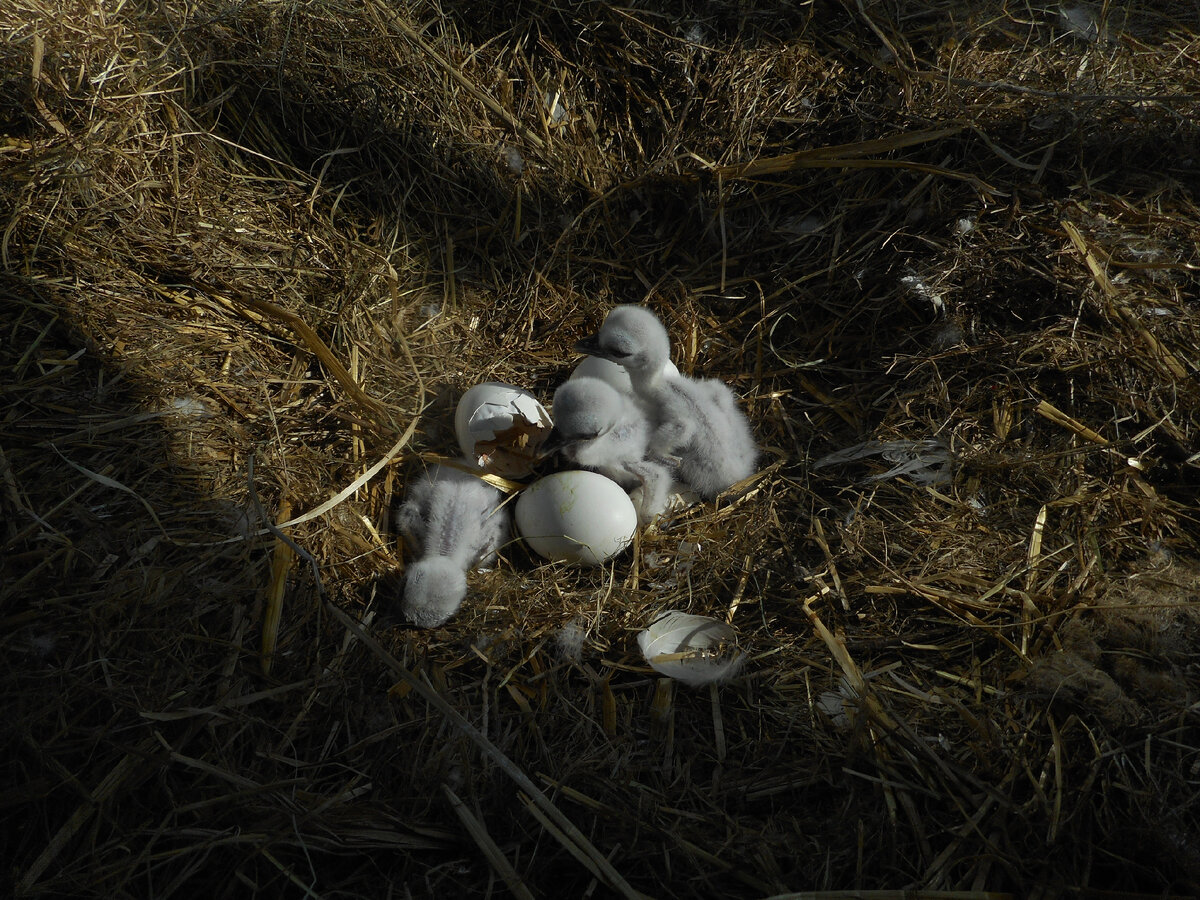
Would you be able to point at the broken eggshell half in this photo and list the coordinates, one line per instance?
(500, 428)
(696, 650)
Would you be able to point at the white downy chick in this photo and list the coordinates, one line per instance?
(601, 429)
(605, 370)
(697, 420)
(434, 588)
(453, 522)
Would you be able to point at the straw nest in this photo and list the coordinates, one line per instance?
(947, 255)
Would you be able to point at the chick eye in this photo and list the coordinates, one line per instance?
(618, 353)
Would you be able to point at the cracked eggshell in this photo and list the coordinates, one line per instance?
(606, 370)
(576, 517)
(500, 428)
(696, 650)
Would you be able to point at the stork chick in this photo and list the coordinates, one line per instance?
(453, 522)
(599, 428)
(697, 420)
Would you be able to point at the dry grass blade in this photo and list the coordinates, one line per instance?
(1118, 310)
(281, 564)
(318, 347)
(112, 782)
(850, 156)
(465, 83)
(112, 483)
(353, 487)
(1054, 414)
(850, 669)
(564, 830)
(496, 859)
(836, 155)
(581, 854)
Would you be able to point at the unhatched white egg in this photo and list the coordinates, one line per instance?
(576, 517)
(605, 370)
(501, 427)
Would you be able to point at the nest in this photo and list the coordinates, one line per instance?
(253, 252)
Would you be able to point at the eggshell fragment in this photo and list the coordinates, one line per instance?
(576, 517)
(500, 427)
(696, 650)
(606, 370)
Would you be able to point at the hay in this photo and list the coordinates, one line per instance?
(252, 254)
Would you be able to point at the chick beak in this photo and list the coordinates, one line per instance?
(555, 442)
(591, 347)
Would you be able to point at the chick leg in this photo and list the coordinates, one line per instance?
(655, 490)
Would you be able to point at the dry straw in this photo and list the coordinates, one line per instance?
(250, 255)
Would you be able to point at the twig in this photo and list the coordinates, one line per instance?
(578, 843)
